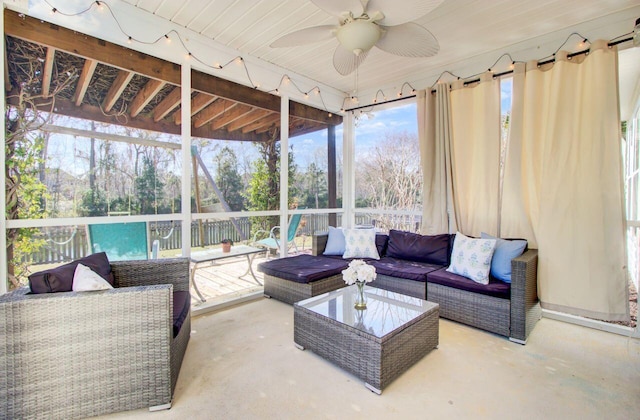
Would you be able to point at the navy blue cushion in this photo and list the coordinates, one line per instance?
(303, 268)
(422, 248)
(60, 279)
(495, 287)
(181, 302)
(381, 243)
(411, 270)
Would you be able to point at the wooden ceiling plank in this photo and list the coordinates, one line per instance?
(212, 111)
(83, 81)
(47, 70)
(94, 113)
(167, 105)
(249, 118)
(198, 103)
(230, 116)
(207, 83)
(116, 89)
(88, 47)
(145, 95)
(263, 122)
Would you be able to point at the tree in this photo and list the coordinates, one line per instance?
(314, 190)
(263, 192)
(228, 178)
(149, 189)
(389, 176)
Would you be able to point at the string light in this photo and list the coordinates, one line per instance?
(239, 60)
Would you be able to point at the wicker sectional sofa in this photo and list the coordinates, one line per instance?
(82, 354)
(511, 310)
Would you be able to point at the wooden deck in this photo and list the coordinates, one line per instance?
(224, 280)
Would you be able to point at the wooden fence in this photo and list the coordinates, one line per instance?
(67, 243)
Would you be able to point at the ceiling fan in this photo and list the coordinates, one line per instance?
(386, 24)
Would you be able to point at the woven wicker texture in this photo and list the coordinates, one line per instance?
(406, 287)
(290, 291)
(377, 361)
(75, 355)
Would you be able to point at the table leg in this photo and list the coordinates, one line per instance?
(193, 282)
(250, 258)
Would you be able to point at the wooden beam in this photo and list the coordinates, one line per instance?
(332, 183)
(198, 103)
(107, 136)
(144, 96)
(236, 92)
(94, 113)
(263, 122)
(212, 111)
(230, 116)
(266, 128)
(47, 70)
(85, 46)
(249, 118)
(167, 105)
(88, 47)
(83, 82)
(116, 89)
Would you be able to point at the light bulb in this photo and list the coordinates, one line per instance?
(636, 34)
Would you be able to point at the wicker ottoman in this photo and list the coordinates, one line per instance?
(300, 277)
(377, 344)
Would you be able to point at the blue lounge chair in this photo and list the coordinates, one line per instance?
(274, 241)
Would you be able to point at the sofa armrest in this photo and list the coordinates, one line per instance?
(319, 243)
(525, 306)
(173, 271)
(116, 340)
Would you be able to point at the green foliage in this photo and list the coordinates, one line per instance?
(149, 189)
(228, 178)
(263, 192)
(26, 196)
(93, 203)
(314, 193)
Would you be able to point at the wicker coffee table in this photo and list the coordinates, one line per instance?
(377, 344)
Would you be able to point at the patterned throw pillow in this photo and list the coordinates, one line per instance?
(471, 258)
(360, 243)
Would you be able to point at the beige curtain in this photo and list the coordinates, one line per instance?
(475, 154)
(434, 130)
(563, 185)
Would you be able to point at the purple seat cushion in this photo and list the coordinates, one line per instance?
(422, 248)
(60, 279)
(303, 268)
(181, 302)
(382, 241)
(411, 270)
(495, 288)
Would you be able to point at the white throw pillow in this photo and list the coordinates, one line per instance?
(85, 279)
(471, 258)
(360, 243)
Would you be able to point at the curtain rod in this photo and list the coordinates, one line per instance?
(504, 73)
(551, 60)
(380, 103)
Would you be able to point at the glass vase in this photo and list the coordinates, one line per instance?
(361, 303)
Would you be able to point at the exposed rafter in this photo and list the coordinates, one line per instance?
(113, 76)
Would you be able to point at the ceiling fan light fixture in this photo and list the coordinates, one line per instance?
(358, 36)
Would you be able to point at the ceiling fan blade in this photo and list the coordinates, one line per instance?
(398, 12)
(408, 40)
(345, 61)
(339, 7)
(305, 36)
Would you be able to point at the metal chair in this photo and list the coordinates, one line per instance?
(274, 241)
(122, 241)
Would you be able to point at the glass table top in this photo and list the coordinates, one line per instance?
(386, 311)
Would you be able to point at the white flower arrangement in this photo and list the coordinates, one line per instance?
(359, 271)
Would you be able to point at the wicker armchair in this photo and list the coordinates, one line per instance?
(71, 355)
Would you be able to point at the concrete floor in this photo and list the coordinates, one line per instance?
(241, 364)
